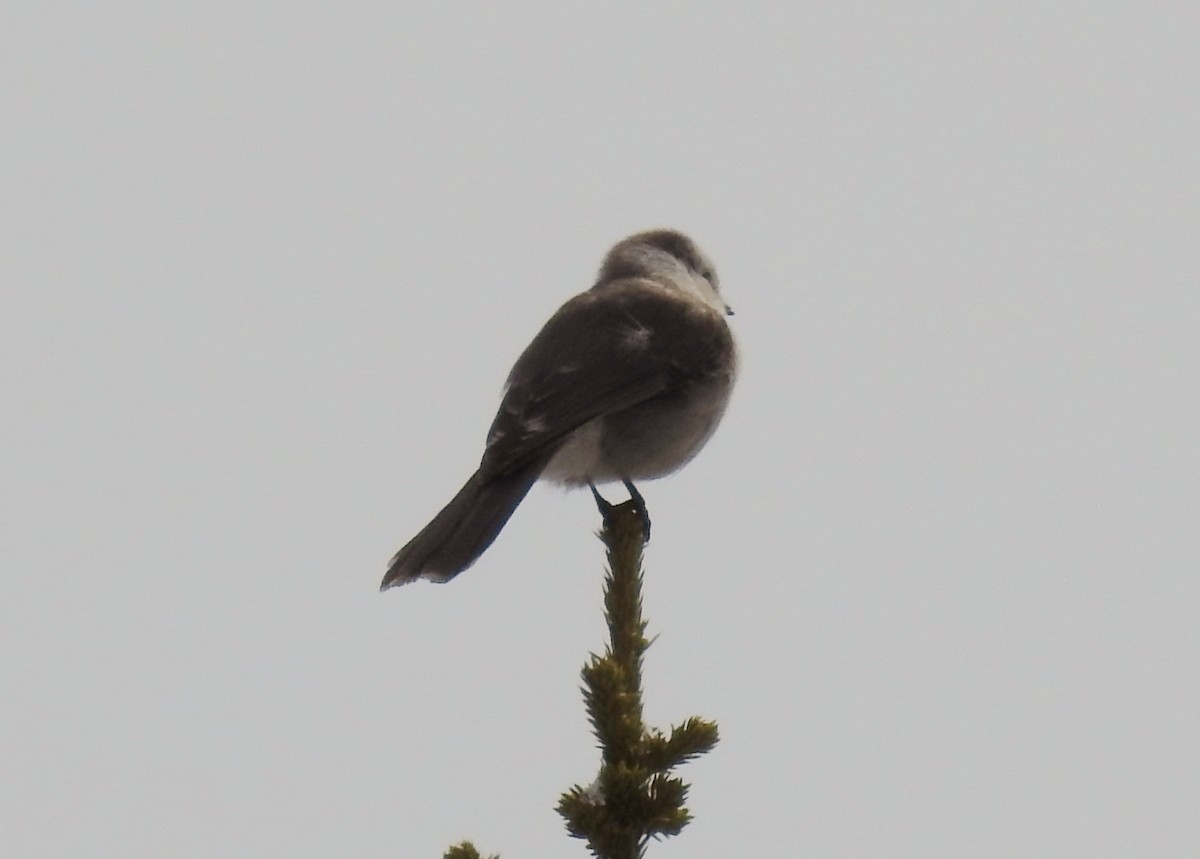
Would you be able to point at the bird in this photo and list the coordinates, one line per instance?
(626, 381)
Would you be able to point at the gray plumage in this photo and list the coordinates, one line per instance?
(627, 381)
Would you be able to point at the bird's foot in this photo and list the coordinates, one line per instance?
(606, 509)
(639, 504)
(635, 501)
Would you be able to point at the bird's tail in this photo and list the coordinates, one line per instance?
(464, 528)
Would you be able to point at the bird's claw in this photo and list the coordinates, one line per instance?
(640, 507)
(606, 509)
(635, 498)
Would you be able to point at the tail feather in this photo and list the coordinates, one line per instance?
(463, 529)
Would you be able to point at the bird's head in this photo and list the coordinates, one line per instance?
(666, 256)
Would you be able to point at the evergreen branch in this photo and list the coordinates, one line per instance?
(465, 850)
(634, 798)
(686, 742)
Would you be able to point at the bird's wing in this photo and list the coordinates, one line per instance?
(604, 351)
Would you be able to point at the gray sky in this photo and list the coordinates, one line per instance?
(266, 267)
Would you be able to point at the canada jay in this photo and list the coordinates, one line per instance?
(626, 382)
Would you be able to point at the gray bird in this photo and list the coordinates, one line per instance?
(627, 381)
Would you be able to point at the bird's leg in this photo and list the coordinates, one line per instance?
(603, 506)
(635, 499)
(640, 505)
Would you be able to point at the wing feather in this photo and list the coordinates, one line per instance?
(604, 351)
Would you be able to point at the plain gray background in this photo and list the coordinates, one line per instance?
(265, 268)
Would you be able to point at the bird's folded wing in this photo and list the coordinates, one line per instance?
(604, 351)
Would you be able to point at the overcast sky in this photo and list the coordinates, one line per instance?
(266, 266)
